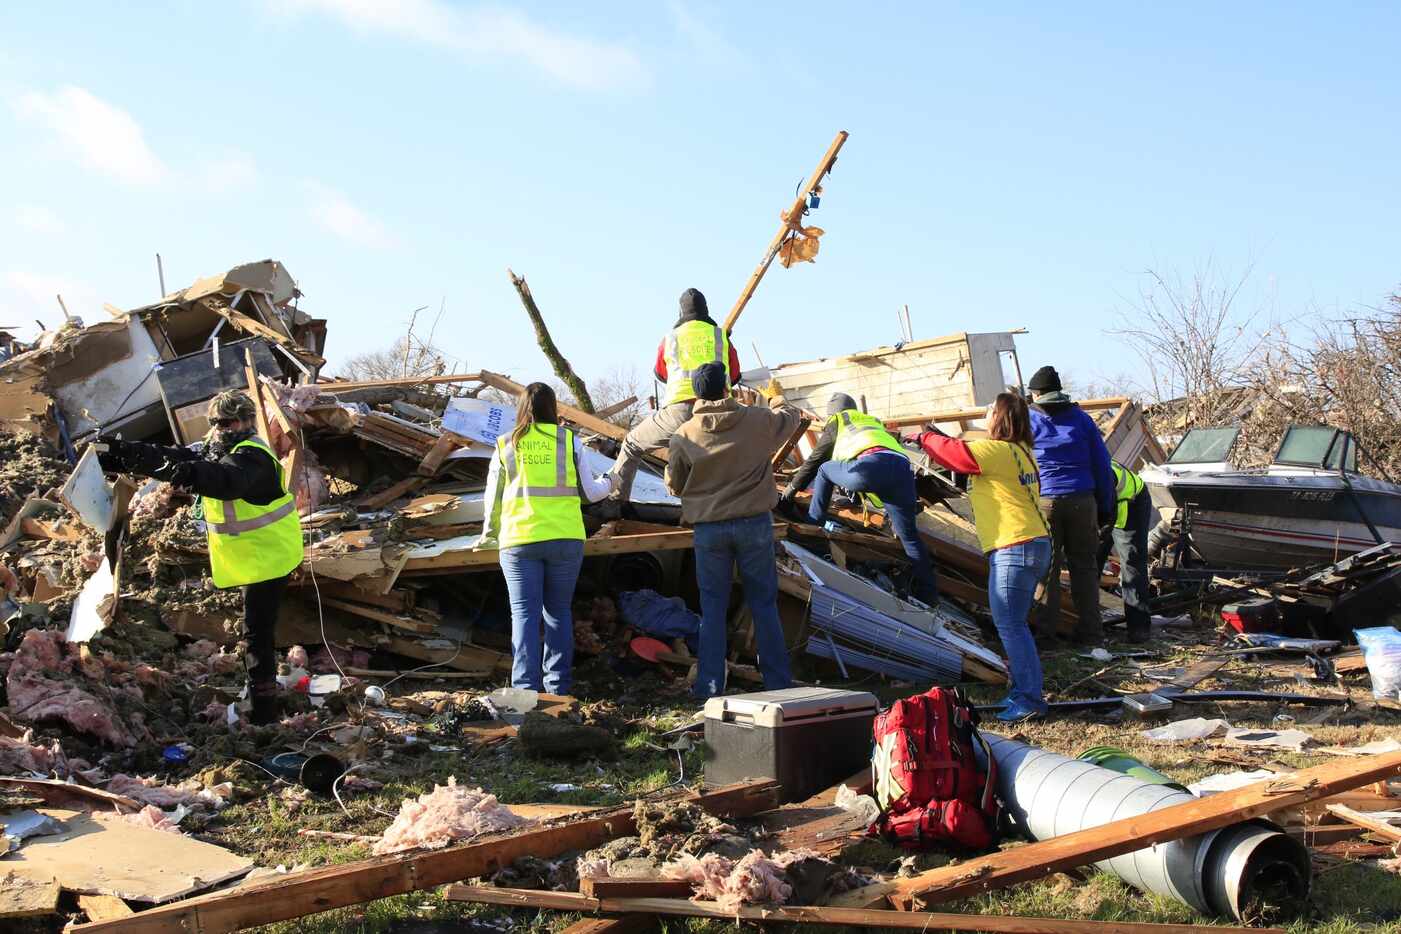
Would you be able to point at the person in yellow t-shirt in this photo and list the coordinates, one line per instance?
(1004, 487)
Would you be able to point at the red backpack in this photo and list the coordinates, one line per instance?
(926, 778)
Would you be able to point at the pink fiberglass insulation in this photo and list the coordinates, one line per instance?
(150, 791)
(445, 814)
(36, 695)
(754, 880)
(297, 657)
(19, 755)
(152, 818)
(588, 867)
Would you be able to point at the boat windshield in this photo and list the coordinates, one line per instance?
(1204, 446)
(1318, 446)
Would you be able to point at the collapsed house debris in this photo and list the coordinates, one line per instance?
(126, 733)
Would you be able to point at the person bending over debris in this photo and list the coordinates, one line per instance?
(1077, 495)
(855, 452)
(1128, 536)
(1004, 488)
(251, 522)
(720, 465)
(696, 339)
(533, 514)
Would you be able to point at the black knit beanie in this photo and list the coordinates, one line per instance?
(1045, 379)
(711, 382)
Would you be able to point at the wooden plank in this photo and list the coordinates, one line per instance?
(793, 214)
(433, 461)
(26, 896)
(577, 416)
(1025, 863)
(635, 888)
(679, 540)
(616, 407)
(614, 924)
(781, 455)
(388, 495)
(821, 914)
(398, 601)
(104, 907)
(255, 393)
(1371, 823)
(416, 626)
(445, 380)
(296, 894)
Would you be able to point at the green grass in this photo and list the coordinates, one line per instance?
(1347, 898)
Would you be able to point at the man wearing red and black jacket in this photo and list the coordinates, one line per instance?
(692, 342)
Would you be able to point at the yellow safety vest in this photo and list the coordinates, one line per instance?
(1127, 485)
(686, 349)
(857, 432)
(539, 487)
(250, 543)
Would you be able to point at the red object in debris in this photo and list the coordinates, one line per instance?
(303, 684)
(1251, 615)
(647, 648)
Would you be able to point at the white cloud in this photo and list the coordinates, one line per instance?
(26, 295)
(38, 219)
(487, 32)
(708, 43)
(337, 214)
(227, 172)
(100, 135)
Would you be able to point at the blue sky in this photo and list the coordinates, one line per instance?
(1010, 168)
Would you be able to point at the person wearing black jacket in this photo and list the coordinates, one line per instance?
(255, 536)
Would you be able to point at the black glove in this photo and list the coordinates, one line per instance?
(1104, 519)
(180, 474)
(787, 497)
(114, 459)
(931, 427)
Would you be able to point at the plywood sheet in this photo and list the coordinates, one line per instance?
(24, 896)
(101, 854)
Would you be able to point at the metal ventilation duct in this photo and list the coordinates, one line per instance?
(1250, 871)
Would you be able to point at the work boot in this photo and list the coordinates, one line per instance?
(266, 705)
(1141, 633)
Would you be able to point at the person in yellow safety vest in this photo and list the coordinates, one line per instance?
(856, 453)
(695, 340)
(1128, 536)
(251, 522)
(533, 515)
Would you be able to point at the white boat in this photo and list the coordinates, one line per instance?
(1309, 506)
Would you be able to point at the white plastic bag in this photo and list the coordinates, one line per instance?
(1381, 646)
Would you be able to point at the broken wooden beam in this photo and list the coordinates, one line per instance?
(635, 888)
(388, 495)
(296, 894)
(407, 381)
(819, 914)
(1368, 822)
(614, 924)
(791, 218)
(1025, 863)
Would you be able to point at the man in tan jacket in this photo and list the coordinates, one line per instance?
(720, 464)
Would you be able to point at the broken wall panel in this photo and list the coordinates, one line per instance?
(952, 372)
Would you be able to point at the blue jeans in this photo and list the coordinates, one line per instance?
(889, 476)
(540, 578)
(719, 547)
(1013, 573)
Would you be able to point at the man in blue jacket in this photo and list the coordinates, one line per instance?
(1077, 496)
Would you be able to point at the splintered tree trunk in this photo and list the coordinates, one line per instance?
(542, 336)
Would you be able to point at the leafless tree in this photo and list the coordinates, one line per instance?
(1195, 342)
(1345, 373)
(410, 355)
